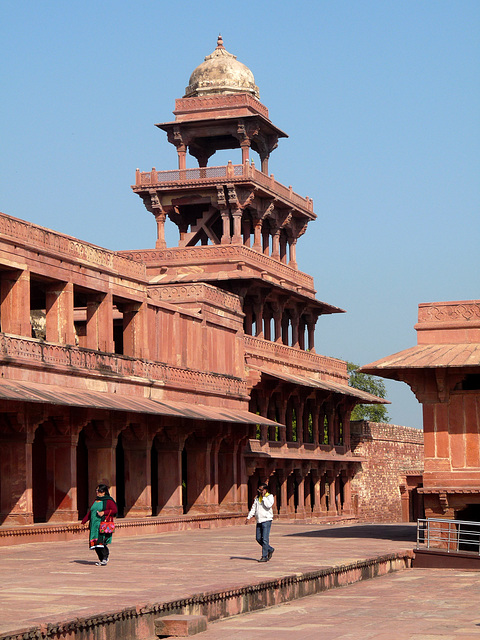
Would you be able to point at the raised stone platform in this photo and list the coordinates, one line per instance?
(55, 590)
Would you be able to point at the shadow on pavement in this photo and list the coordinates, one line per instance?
(383, 532)
(83, 561)
(243, 558)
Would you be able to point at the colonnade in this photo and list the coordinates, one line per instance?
(282, 320)
(304, 490)
(62, 313)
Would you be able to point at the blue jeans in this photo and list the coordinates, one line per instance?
(263, 535)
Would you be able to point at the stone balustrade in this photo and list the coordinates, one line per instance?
(224, 256)
(304, 362)
(208, 176)
(44, 240)
(32, 352)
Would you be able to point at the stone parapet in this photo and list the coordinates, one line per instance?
(207, 262)
(79, 362)
(265, 353)
(49, 242)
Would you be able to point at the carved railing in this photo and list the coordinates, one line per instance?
(230, 172)
(280, 354)
(39, 239)
(188, 105)
(191, 256)
(86, 362)
(196, 291)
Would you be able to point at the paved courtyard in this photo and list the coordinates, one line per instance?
(53, 582)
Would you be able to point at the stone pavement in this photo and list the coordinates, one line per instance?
(417, 604)
(53, 582)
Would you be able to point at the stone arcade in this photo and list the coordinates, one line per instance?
(180, 376)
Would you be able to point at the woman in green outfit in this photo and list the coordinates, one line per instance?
(103, 509)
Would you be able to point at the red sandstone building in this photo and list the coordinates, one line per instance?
(180, 376)
(443, 371)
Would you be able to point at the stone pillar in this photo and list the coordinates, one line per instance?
(266, 240)
(135, 333)
(285, 322)
(276, 245)
(263, 408)
(160, 220)
(293, 257)
(15, 303)
(227, 477)
(169, 456)
(283, 248)
(248, 321)
(299, 409)
(317, 492)
(282, 475)
(61, 448)
(59, 313)
(182, 157)
(137, 445)
(245, 146)
(301, 333)
(257, 235)
(198, 477)
(311, 333)
(288, 422)
(315, 427)
(347, 493)
(101, 441)
(330, 423)
(226, 237)
(237, 227)
(16, 500)
(246, 232)
(332, 492)
(272, 416)
(258, 308)
(300, 477)
(242, 477)
(295, 317)
(100, 323)
(277, 322)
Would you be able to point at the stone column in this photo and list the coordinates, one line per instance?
(317, 492)
(315, 421)
(258, 308)
(237, 227)
(332, 492)
(300, 477)
(272, 416)
(135, 333)
(182, 157)
(263, 408)
(245, 146)
(277, 321)
(16, 500)
(226, 237)
(347, 492)
(227, 476)
(101, 440)
(59, 313)
(285, 322)
(295, 317)
(246, 232)
(137, 445)
(282, 475)
(61, 448)
(299, 408)
(198, 477)
(169, 487)
(293, 258)
(100, 323)
(283, 248)
(160, 220)
(276, 245)
(257, 235)
(311, 322)
(15, 303)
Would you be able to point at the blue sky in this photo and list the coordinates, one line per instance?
(381, 101)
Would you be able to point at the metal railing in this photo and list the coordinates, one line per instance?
(450, 536)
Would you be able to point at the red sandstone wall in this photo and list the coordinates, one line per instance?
(389, 449)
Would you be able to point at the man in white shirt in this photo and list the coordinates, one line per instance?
(262, 509)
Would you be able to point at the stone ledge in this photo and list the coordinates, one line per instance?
(139, 621)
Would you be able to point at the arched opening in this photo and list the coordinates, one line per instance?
(469, 534)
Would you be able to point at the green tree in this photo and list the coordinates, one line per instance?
(370, 384)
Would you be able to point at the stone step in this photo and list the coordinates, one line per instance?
(180, 626)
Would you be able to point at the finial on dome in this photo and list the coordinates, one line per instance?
(220, 42)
